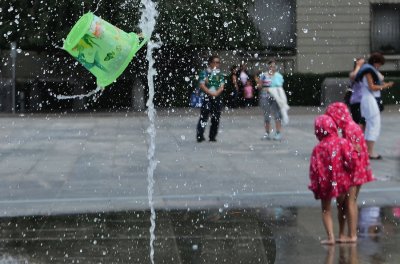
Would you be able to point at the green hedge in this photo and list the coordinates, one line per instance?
(392, 96)
(303, 89)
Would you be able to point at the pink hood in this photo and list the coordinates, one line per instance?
(325, 127)
(340, 114)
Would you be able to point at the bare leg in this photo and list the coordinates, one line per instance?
(362, 127)
(330, 255)
(343, 258)
(342, 211)
(353, 213)
(328, 223)
(267, 127)
(353, 254)
(278, 125)
(371, 145)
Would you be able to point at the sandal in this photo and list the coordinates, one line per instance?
(379, 157)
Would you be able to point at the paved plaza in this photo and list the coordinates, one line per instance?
(89, 162)
(74, 190)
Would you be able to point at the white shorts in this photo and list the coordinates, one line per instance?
(372, 128)
(370, 111)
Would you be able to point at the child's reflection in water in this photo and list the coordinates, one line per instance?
(348, 254)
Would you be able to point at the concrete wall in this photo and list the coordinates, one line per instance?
(330, 33)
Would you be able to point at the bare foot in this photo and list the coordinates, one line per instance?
(352, 239)
(328, 242)
(346, 240)
(342, 239)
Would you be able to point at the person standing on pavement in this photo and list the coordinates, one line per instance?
(232, 88)
(211, 82)
(243, 78)
(356, 94)
(362, 173)
(269, 82)
(371, 83)
(331, 163)
(248, 93)
(278, 94)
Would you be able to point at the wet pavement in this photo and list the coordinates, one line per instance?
(74, 190)
(273, 235)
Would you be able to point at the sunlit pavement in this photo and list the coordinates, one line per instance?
(83, 164)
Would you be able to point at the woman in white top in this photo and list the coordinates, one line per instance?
(371, 82)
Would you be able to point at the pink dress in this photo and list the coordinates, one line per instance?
(331, 161)
(248, 92)
(351, 131)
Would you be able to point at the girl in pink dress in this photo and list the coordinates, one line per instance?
(362, 172)
(330, 166)
(248, 93)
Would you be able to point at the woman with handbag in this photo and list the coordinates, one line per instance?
(354, 94)
(371, 84)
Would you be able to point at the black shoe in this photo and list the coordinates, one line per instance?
(213, 140)
(200, 139)
(379, 157)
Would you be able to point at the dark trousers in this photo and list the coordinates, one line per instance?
(209, 107)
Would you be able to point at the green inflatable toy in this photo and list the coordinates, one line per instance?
(102, 48)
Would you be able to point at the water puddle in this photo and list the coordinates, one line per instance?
(266, 235)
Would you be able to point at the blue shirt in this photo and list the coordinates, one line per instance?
(277, 80)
